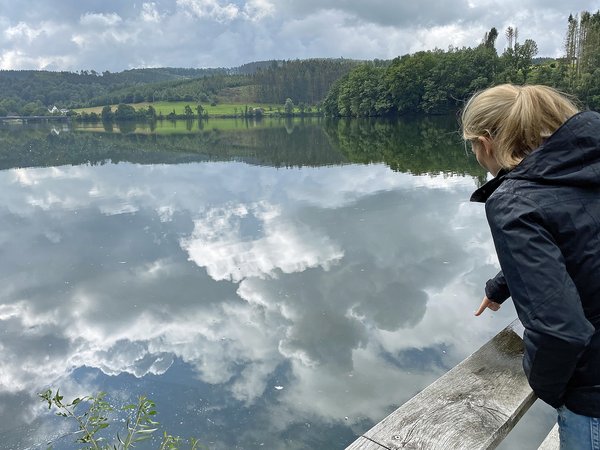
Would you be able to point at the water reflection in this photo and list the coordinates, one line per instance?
(413, 145)
(417, 146)
(259, 306)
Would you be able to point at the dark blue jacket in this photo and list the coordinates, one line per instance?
(545, 221)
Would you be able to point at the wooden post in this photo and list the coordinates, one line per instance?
(473, 406)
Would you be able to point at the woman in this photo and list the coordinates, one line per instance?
(543, 208)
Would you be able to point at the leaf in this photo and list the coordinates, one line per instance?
(141, 438)
(57, 399)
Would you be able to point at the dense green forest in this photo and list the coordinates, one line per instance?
(198, 90)
(32, 92)
(306, 82)
(439, 81)
(431, 82)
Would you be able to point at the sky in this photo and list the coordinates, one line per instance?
(117, 35)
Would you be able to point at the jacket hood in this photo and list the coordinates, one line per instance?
(571, 157)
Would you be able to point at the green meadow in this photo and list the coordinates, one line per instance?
(220, 110)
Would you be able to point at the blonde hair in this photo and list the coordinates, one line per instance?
(517, 118)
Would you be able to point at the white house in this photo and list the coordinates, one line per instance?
(55, 110)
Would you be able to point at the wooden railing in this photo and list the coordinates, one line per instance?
(473, 406)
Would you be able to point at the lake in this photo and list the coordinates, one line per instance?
(281, 284)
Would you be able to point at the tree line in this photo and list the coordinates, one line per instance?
(582, 60)
(439, 81)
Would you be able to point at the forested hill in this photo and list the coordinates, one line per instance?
(30, 92)
(68, 88)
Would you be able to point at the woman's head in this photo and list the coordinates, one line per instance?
(514, 119)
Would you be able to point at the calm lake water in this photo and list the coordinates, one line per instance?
(276, 285)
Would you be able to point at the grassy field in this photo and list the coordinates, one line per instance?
(221, 109)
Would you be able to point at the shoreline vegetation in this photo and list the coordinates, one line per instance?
(149, 111)
(427, 82)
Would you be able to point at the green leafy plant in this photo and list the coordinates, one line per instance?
(139, 425)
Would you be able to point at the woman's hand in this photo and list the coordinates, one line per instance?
(487, 303)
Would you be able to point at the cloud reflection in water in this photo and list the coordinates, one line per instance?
(355, 284)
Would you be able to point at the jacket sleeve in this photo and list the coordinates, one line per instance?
(545, 297)
(496, 288)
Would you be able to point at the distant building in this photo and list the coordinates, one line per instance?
(55, 110)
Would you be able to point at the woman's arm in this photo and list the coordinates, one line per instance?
(496, 292)
(497, 289)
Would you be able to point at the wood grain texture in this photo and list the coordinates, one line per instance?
(473, 406)
(552, 441)
(363, 443)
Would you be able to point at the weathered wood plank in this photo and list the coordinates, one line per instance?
(472, 406)
(552, 441)
(362, 443)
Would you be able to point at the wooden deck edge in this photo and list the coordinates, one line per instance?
(363, 443)
(474, 405)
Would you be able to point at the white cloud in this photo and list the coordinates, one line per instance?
(335, 396)
(256, 10)
(81, 40)
(150, 13)
(23, 31)
(100, 20)
(211, 9)
(218, 244)
(21, 59)
(104, 34)
(437, 37)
